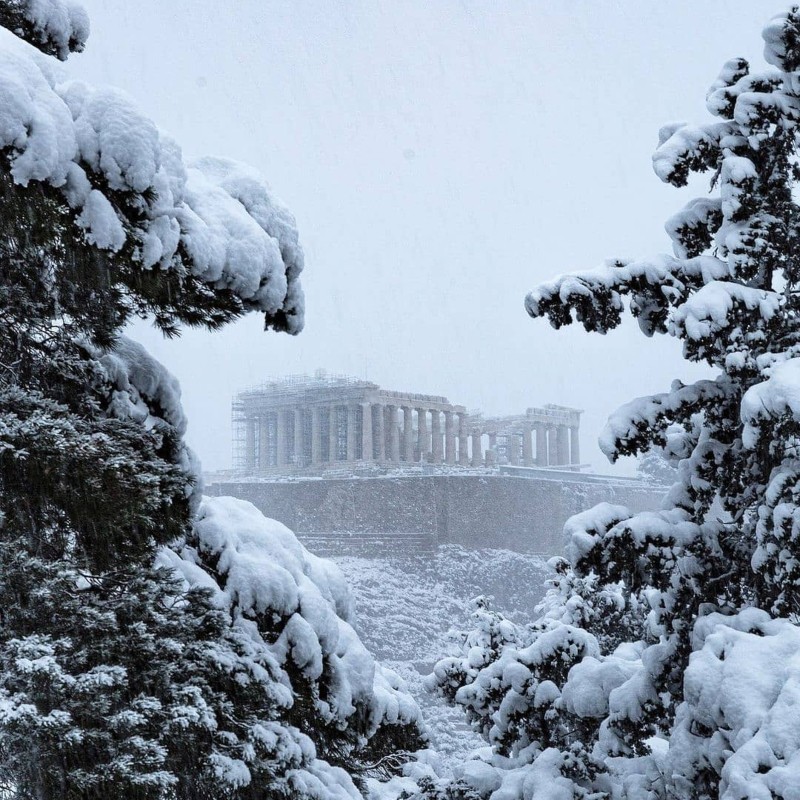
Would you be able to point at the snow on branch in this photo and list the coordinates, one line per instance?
(692, 228)
(741, 692)
(56, 27)
(132, 193)
(595, 296)
(262, 574)
(720, 99)
(782, 41)
(143, 389)
(646, 419)
(716, 313)
(771, 399)
(685, 148)
(583, 531)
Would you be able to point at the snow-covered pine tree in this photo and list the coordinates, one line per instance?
(700, 701)
(150, 646)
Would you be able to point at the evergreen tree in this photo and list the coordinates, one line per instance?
(696, 697)
(129, 668)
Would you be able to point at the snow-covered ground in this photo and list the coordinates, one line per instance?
(407, 604)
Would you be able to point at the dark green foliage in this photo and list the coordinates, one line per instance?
(115, 683)
(124, 684)
(99, 492)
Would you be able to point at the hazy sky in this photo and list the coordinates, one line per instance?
(441, 158)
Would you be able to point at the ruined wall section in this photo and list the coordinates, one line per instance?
(477, 511)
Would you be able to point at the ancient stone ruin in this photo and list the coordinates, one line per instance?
(302, 424)
(352, 467)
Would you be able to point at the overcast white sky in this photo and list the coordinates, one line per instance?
(441, 158)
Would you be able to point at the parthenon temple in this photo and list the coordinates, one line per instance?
(307, 425)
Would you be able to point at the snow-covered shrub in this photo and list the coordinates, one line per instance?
(736, 733)
(691, 694)
(298, 610)
(481, 646)
(543, 688)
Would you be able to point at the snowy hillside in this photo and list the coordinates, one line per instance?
(406, 605)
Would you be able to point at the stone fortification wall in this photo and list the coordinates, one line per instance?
(524, 514)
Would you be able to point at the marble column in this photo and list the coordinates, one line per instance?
(436, 437)
(366, 432)
(463, 441)
(562, 441)
(394, 434)
(574, 445)
(423, 440)
(333, 433)
(512, 449)
(449, 438)
(280, 429)
(250, 443)
(351, 432)
(541, 445)
(527, 446)
(299, 456)
(316, 437)
(491, 453)
(408, 432)
(552, 446)
(380, 431)
(263, 443)
(477, 454)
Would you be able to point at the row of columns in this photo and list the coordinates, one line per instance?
(378, 426)
(368, 432)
